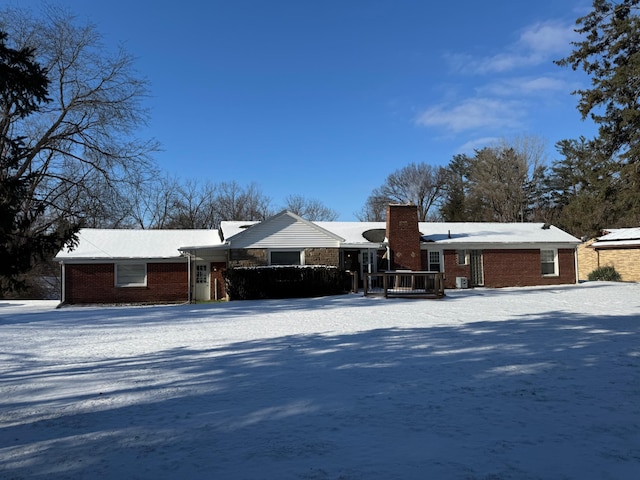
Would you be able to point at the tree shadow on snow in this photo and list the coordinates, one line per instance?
(472, 401)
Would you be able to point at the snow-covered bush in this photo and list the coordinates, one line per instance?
(605, 274)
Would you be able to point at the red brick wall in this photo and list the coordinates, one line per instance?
(453, 270)
(511, 268)
(94, 283)
(217, 273)
(520, 268)
(404, 237)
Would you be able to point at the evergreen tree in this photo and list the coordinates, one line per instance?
(583, 188)
(455, 206)
(610, 54)
(23, 89)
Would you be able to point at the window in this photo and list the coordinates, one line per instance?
(462, 257)
(549, 262)
(434, 261)
(131, 274)
(286, 257)
(202, 274)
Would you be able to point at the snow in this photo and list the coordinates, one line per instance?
(520, 383)
(620, 238)
(97, 243)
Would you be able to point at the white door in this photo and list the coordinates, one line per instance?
(203, 289)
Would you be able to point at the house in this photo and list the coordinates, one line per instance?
(133, 266)
(618, 248)
(187, 265)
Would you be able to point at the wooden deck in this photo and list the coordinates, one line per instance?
(404, 284)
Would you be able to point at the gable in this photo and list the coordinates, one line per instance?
(285, 230)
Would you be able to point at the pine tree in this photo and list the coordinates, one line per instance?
(23, 89)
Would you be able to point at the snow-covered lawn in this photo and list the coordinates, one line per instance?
(531, 383)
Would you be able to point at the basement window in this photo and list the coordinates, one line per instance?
(549, 263)
(286, 257)
(131, 274)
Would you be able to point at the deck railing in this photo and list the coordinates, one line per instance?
(404, 284)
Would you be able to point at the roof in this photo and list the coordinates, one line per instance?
(104, 244)
(493, 233)
(619, 237)
(97, 244)
(352, 232)
(356, 233)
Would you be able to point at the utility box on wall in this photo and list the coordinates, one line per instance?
(462, 282)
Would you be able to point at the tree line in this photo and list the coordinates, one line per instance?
(583, 191)
(70, 156)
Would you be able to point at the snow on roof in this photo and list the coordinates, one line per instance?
(498, 233)
(440, 232)
(619, 237)
(95, 243)
(352, 232)
(230, 228)
(98, 244)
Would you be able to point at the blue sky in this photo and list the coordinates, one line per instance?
(326, 98)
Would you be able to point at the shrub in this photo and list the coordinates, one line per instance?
(251, 283)
(605, 274)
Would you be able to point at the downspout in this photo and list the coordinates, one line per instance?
(188, 277)
(187, 254)
(388, 258)
(575, 259)
(63, 282)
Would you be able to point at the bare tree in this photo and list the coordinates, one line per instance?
(417, 183)
(193, 206)
(234, 202)
(504, 180)
(82, 143)
(310, 209)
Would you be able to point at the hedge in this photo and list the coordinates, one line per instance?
(250, 283)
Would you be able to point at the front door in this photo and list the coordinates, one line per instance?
(477, 273)
(203, 288)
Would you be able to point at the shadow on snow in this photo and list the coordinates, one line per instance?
(479, 399)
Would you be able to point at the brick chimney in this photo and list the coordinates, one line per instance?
(403, 237)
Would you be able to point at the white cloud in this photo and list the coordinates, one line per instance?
(548, 38)
(473, 114)
(525, 86)
(478, 143)
(538, 43)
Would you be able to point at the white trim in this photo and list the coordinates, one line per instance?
(556, 272)
(440, 259)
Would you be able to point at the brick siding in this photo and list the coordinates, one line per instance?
(521, 268)
(404, 237)
(626, 261)
(95, 283)
(587, 259)
(453, 270)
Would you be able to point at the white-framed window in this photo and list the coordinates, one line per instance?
(434, 261)
(461, 255)
(131, 274)
(549, 262)
(286, 257)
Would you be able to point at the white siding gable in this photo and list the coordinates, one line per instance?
(285, 230)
